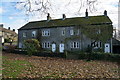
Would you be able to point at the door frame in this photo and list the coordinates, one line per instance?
(63, 48)
(53, 49)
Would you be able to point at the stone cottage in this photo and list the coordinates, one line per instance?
(58, 35)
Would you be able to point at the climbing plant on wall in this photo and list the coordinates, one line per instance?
(98, 32)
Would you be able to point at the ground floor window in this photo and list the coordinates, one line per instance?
(97, 44)
(74, 44)
(46, 45)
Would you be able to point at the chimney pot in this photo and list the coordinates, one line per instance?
(8, 28)
(48, 17)
(105, 13)
(64, 16)
(13, 29)
(86, 13)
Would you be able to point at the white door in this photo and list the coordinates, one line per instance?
(107, 48)
(61, 48)
(53, 47)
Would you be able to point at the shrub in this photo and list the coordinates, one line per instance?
(32, 46)
(9, 48)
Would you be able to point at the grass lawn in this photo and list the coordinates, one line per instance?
(13, 68)
(22, 66)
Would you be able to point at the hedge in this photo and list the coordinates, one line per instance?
(100, 56)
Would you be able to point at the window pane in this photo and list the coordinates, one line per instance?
(71, 32)
(48, 33)
(42, 33)
(71, 45)
(45, 45)
(63, 32)
(33, 33)
(48, 45)
(24, 34)
(74, 44)
(77, 44)
(42, 45)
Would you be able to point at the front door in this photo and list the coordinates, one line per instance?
(107, 48)
(53, 47)
(61, 48)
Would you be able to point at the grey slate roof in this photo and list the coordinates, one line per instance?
(68, 22)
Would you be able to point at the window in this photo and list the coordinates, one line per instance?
(78, 32)
(99, 31)
(33, 33)
(71, 32)
(46, 45)
(25, 34)
(74, 44)
(46, 33)
(63, 32)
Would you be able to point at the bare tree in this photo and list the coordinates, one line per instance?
(44, 6)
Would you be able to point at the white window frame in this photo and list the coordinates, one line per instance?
(71, 32)
(46, 45)
(45, 32)
(34, 33)
(24, 34)
(99, 31)
(63, 32)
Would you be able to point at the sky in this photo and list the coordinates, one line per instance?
(13, 15)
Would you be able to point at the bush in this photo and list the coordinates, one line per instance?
(32, 46)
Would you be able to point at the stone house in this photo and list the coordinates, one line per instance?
(7, 34)
(58, 35)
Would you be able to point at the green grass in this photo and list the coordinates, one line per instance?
(13, 68)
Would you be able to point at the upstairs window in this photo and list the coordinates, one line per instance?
(78, 31)
(24, 34)
(46, 33)
(99, 31)
(71, 32)
(33, 33)
(63, 32)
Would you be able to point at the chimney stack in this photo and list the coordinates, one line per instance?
(105, 13)
(86, 13)
(8, 28)
(64, 16)
(1, 25)
(48, 17)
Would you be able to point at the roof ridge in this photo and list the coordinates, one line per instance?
(67, 22)
(65, 19)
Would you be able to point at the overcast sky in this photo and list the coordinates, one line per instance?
(16, 18)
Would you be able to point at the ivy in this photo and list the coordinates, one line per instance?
(98, 32)
(95, 32)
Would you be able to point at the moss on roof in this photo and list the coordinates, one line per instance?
(68, 22)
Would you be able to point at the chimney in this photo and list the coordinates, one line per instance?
(8, 28)
(64, 16)
(14, 30)
(48, 17)
(86, 13)
(1, 25)
(105, 13)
